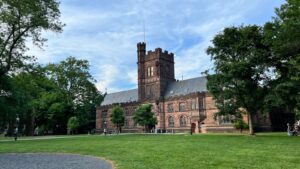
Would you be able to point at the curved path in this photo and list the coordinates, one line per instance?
(51, 161)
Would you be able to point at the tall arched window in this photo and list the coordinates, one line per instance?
(181, 107)
(182, 121)
(171, 121)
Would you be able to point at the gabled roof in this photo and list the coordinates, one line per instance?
(121, 97)
(176, 88)
(185, 87)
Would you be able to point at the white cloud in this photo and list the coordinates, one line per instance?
(106, 33)
(106, 77)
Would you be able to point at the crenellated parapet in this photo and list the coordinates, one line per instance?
(158, 53)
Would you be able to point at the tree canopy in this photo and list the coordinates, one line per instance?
(48, 96)
(145, 117)
(117, 117)
(257, 68)
(282, 34)
(20, 21)
(239, 56)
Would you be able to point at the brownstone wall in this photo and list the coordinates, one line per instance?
(162, 73)
(151, 86)
(202, 117)
(129, 109)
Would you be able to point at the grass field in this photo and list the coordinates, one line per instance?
(175, 151)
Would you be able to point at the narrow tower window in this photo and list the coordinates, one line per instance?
(151, 71)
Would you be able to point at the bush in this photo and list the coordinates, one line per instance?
(73, 124)
(42, 130)
(240, 124)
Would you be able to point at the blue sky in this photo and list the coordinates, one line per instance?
(106, 32)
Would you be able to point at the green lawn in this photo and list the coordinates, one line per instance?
(176, 151)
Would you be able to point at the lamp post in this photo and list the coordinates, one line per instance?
(17, 127)
(191, 123)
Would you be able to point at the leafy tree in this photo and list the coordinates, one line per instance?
(117, 117)
(145, 117)
(282, 34)
(7, 105)
(20, 20)
(32, 96)
(41, 98)
(238, 85)
(73, 125)
(78, 89)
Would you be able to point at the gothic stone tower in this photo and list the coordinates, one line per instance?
(155, 71)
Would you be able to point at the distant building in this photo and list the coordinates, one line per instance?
(178, 105)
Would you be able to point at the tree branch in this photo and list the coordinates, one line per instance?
(12, 47)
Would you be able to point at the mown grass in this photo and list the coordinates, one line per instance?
(175, 151)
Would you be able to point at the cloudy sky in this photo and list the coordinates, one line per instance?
(106, 32)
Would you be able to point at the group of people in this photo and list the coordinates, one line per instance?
(294, 130)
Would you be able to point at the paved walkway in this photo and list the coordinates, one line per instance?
(51, 161)
(9, 139)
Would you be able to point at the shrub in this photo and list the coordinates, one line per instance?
(73, 124)
(240, 124)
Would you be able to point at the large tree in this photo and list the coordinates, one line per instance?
(48, 96)
(238, 85)
(145, 117)
(117, 117)
(20, 20)
(282, 34)
(27, 91)
(77, 85)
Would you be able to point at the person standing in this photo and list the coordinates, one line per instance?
(105, 131)
(16, 133)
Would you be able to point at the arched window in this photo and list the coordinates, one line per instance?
(181, 107)
(171, 121)
(182, 121)
(126, 124)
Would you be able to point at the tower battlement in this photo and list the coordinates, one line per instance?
(158, 53)
(155, 71)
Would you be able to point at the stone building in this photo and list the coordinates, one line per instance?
(180, 106)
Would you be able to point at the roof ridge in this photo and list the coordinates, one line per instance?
(123, 91)
(191, 78)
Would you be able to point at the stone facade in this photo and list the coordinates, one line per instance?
(180, 106)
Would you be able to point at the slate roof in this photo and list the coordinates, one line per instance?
(121, 97)
(186, 86)
(177, 88)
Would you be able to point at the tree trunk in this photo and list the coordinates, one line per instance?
(32, 122)
(31, 129)
(251, 131)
